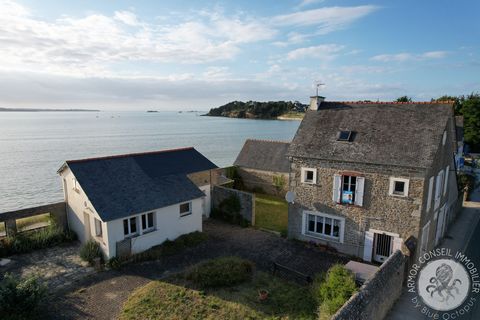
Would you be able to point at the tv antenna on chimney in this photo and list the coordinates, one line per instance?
(317, 85)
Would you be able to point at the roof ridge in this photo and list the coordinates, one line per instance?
(266, 140)
(394, 102)
(129, 155)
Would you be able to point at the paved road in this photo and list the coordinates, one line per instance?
(473, 252)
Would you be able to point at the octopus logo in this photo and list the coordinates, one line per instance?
(443, 284)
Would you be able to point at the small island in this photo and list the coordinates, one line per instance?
(281, 110)
(45, 110)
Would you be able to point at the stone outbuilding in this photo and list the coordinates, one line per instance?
(263, 164)
(368, 176)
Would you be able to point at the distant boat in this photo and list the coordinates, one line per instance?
(179, 111)
(152, 111)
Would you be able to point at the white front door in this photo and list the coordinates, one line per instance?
(383, 245)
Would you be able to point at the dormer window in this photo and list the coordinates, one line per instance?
(344, 135)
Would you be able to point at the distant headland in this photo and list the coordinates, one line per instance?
(45, 110)
(282, 110)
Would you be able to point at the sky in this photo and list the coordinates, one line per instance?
(174, 55)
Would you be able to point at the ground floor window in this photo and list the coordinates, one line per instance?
(324, 225)
(185, 209)
(98, 228)
(130, 226)
(147, 222)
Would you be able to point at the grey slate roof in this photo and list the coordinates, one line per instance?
(401, 134)
(264, 155)
(119, 186)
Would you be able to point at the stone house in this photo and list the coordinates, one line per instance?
(262, 162)
(368, 176)
(129, 203)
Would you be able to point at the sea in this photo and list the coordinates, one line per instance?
(33, 145)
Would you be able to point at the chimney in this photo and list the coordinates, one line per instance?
(315, 102)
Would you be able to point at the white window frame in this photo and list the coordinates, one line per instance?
(430, 193)
(186, 213)
(304, 175)
(445, 183)
(147, 228)
(438, 189)
(391, 190)
(323, 236)
(98, 228)
(425, 236)
(444, 137)
(130, 233)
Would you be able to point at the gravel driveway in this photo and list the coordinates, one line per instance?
(102, 295)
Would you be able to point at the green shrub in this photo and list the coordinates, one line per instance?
(170, 247)
(334, 289)
(20, 298)
(229, 211)
(466, 182)
(90, 251)
(114, 263)
(220, 272)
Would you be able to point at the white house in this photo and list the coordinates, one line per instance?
(129, 203)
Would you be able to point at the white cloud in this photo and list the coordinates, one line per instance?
(306, 3)
(322, 52)
(405, 56)
(89, 45)
(127, 17)
(327, 19)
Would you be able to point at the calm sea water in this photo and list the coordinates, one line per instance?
(34, 145)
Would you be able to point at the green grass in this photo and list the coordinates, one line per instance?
(177, 299)
(29, 222)
(271, 213)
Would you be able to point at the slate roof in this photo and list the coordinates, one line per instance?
(264, 155)
(400, 134)
(119, 186)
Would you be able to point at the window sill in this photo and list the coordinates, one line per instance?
(150, 230)
(307, 182)
(349, 205)
(185, 214)
(322, 237)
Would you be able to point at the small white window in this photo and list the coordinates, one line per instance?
(130, 227)
(444, 138)
(398, 187)
(185, 209)
(309, 175)
(147, 222)
(98, 228)
(425, 235)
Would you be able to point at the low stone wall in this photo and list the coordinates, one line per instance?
(263, 179)
(56, 210)
(377, 295)
(247, 201)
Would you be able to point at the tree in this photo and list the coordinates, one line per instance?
(471, 120)
(404, 99)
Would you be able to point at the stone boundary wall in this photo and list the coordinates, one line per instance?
(263, 179)
(247, 201)
(377, 296)
(56, 210)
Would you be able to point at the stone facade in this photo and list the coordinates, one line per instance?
(263, 179)
(247, 201)
(401, 217)
(378, 294)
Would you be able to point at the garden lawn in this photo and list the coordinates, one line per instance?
(271, 213)
(178, 299)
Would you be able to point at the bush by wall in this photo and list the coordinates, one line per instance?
(90, 251)
(20, 298)
(333, 290)
(220, 272)
(229, 210)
